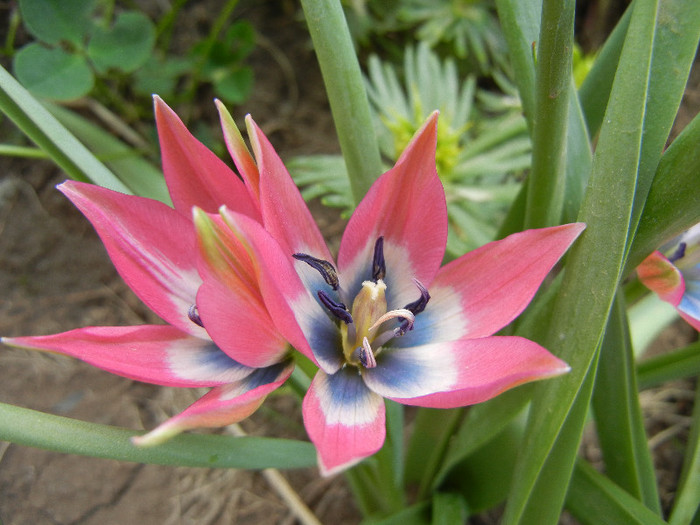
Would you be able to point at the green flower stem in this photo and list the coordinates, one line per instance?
(70, 436)
(546, 183)
(346, 92)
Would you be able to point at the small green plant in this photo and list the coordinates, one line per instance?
(483, 145)
(83, 46)
(74, 45)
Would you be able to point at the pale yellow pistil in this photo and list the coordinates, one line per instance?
(369, 311)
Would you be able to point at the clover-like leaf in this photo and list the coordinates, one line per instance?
(52, 73)
(126, 45)
(53, 21)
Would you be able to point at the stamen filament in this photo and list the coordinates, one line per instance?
(367, 358)
(394, 314)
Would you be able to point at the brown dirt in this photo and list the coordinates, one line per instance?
(55, 275)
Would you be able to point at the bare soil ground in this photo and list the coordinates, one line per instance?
(55, 275)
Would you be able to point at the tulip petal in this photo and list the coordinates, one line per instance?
(407, 207)
(296, 314)
(689, 307)
(150, 244)
(239, 152)
(459, 373)
(285, 214)
(156, 354)
(195, 176)
(484, 290)
(223, 405)
(344, 419)
(661, 276)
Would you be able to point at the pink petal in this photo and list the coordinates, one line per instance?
(484, 290)
(293, 311)
(239, 152)
(407, 207)
(157, 354)
(459, 373)
(662, 277)
(230, 301)
(195, 176)
(150, 244)
(344, 420)
(285, 214)
(224, 405)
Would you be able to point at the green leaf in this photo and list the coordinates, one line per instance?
(53, 21)
(618, 415)
(418, 514)
(593, 270)
(674, 46)
(433, 430)
(448, 509)
(672, 203)
(679, 364)
(553, 83)
(69, 436)
(595, 500)
(160, 75)
(521, 26)
(687, 502)
(234, 86)
(142, 177)
(52, 73)
(47, 133)
(346, 92)
(594, 93)
(126, 46)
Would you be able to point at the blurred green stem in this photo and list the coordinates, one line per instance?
(545, 195)
(346, 92)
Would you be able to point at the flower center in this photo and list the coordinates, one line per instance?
(365, 328)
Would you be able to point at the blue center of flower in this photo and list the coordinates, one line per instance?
(362, 328)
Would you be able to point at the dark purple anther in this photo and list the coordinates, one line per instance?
(679, 253)
(415, 307)
(193, 314)
(339, 310)
(378, 262)
(323, 267)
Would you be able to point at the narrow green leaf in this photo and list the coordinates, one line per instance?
(592, 273)
(346, 92)
(549, 490)
(687, 502)
(47, 133)
(483, 423)
(521, 26)
(618, 415)
(595, 500)
(672, 203)
(69, 436)
(142, 177)
(679, 364)
(52, 73)
(553, 80)
(674, 46)
(433, 430)
(594, 93)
